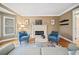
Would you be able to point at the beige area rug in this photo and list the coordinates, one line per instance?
(38, 44)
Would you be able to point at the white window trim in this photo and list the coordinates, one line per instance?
(4, 34)
(76, 11)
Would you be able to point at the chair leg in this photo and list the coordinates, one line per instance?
(27, 41)
(20, 42)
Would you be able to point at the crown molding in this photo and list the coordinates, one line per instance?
(39, 15)
(69, 9)
(4, 6)
(7, 9)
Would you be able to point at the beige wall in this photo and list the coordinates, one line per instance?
(0, 25)
(31, 19)
(66, 30)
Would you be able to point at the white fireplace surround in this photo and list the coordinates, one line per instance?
(39, 38)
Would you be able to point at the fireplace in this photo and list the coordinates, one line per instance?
(39, 32)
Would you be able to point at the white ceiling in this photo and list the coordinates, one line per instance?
(40, 9)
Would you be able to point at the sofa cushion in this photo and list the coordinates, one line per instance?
(6, 49)
(25, 51)
(24, 38)
(54, 51)
(77, 52)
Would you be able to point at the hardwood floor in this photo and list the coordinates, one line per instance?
(63, 42)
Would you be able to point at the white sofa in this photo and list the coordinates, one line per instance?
(25, 51)
(54, 51)
(6, 49)
(11, 50)
(77, 52)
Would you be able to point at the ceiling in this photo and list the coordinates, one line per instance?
(40, 9)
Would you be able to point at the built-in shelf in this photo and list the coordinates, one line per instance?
(64, 22)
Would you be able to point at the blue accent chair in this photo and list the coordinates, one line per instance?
(24, 36)
(53, 36)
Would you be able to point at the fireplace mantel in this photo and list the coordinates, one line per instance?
(39, 28)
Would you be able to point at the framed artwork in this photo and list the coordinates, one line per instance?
(38, 22)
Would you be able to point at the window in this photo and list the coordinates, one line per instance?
(8, 26)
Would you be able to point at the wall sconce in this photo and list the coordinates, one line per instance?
(52, 21)
(26, 21)
(22, 25)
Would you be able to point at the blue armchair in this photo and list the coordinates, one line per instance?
(24, 36)
(53, 36)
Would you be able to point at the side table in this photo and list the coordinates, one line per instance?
(31, 40)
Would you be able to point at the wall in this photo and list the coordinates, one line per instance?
(31, 19)
(0, 25)
(66, 30)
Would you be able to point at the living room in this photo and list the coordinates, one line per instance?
(39, 21)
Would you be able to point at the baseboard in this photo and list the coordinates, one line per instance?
(66, 38)
(5, 40)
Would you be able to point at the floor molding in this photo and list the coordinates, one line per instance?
(66, 38)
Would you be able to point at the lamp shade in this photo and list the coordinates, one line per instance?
(22, 25)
